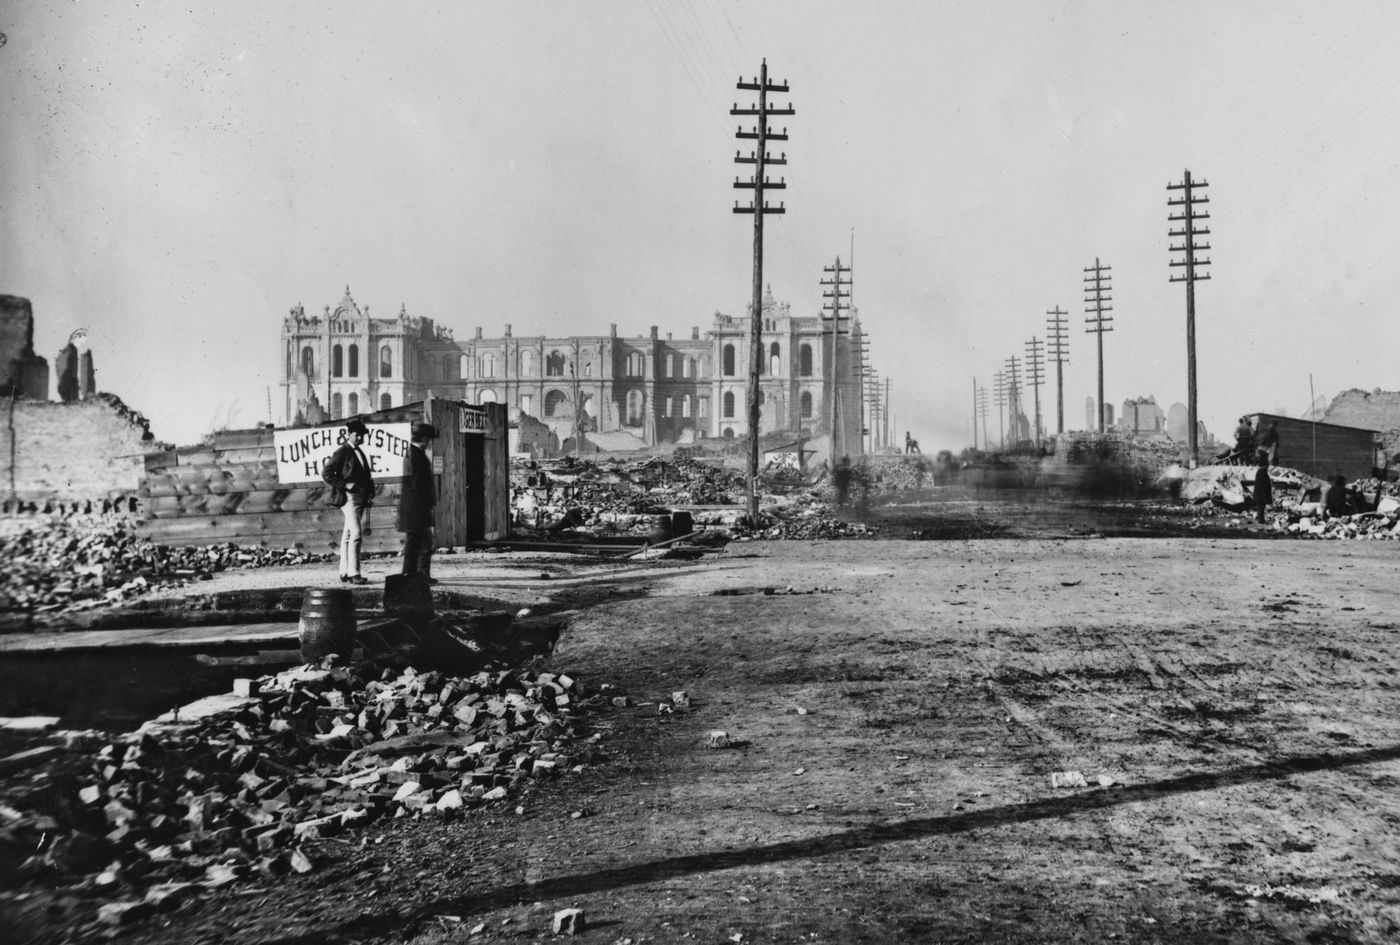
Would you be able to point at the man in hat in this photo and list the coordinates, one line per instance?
(417, 499)
(349, 469)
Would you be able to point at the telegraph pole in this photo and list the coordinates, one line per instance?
(758, 183)
(1035, 364)
(999, 391)
(1057, 350)
(982, 412)
(885, 413)
(975, 404)
(1096, 299)
(1013, 398)
(1188, 233)
(831, 309)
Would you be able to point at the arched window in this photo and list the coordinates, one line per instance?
(688, 367)
(385, 401)
(336, 411)
(386, 361)
(308, 361)
(464, 367)
(685, 405)
(553, 401)
(527, 363)
(727, 364)
(702, 407)
(804, 360)
(488, 366)
(587, 361)
(487, 396)
(354, 360)
(527, 403)
(636, 364)
(634, 407)
(353, 404)
(667, 408)
(729, 433)
(806, 405)
(728, 404)
(554, 364)
(775, 359)
(337, 361)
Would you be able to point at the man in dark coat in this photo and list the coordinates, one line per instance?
(417, 499)
(1263, 486)
(349, 469)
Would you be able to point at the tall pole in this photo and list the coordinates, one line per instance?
(1096, 298)
(1034, 375)
(982, 412)
(974, 414)
(1057, 349)
(999, 390)
(886, 414)
(1188, 233)
(1013, 398)
(837, 301)
(759, 183)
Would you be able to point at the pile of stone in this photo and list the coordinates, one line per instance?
(59, 562)
(156, 815)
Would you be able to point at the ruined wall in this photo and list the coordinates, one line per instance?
(82, 451)
(1372, 410)
(22, 372)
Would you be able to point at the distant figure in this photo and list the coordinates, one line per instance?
(920, 470)
(1263, 487)
(911, 445)
(841, 479)
(1269, 442)
(417, 500)
(1244, 440)
(1335, 501)
(349, 469)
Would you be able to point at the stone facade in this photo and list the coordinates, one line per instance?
(650, 388)
(87, 450)
(1372, 410)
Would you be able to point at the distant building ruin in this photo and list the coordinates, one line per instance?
(23, 374)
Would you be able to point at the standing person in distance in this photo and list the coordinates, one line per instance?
(1263, 486)
(417, 499)
(349, 469)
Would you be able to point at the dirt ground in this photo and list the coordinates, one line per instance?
(906, 720)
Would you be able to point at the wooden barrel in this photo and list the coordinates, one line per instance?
(327, 623)
(660, 528)
(682, 524)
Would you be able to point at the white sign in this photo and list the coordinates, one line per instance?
(302, 453)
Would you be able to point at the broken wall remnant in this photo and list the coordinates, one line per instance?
(23, 374)
(88, 450)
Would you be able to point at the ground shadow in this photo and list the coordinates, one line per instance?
(582, 884)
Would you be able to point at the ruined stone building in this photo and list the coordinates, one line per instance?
(638, 391)
(1141, 416)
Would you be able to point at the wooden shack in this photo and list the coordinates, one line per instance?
(262, 487)
(1321, 449)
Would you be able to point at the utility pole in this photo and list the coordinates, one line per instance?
(1188, 233)
(872, 405)
(982, 412)
(885, 413)
(1035, 363)
(999, 392)
(758, 183)
(1096, 299)
(1057, 350)
(1013, 398)
(831, 310)
(975, 403)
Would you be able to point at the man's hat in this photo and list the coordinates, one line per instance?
(356, 425)
(424, 431)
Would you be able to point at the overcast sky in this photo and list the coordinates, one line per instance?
(176, 176)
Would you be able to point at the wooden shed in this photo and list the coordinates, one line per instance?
(263, 487)
(1321, 449)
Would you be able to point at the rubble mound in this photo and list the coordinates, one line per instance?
(57, 562)
(145, 820)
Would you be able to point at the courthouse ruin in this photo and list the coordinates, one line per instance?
(628, 392)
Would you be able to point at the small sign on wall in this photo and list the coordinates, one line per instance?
(302, 453)
(473, 420)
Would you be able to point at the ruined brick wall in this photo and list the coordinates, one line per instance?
(86, 450)
(1372, 410)
(22, 372)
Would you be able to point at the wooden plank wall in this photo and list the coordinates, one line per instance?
(1345, 451)
(228, 491)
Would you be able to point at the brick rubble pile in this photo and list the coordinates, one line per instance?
(57, 562)
(146, 819)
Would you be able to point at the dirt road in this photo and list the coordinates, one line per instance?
(906, 723)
